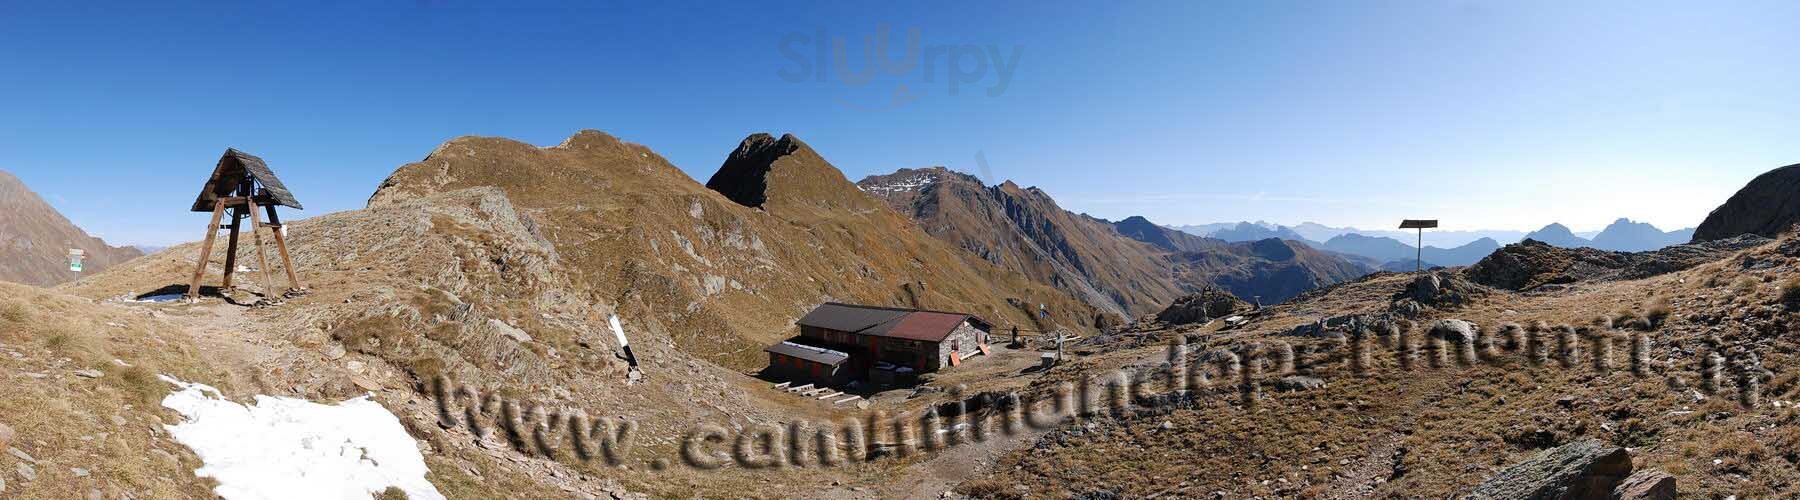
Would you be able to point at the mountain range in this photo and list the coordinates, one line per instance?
(1390, 250)
(494, 265)
(1131, 267)
(35, 240)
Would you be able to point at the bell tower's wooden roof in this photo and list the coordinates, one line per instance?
(236, 166)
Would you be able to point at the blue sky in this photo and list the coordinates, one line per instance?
(1485, 114)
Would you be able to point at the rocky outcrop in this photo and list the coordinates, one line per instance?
(1530, 264)
(1582, 469)
(744, 176)
(1441, 289)
(1207, 305)
(1767, 206)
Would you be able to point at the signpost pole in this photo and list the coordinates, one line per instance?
(1419, 246)
(1419, 259)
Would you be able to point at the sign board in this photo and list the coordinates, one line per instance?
(1418, 223)
(75, 255)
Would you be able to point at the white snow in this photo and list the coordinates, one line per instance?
(167, 297)
(294, 448)
(914, 183)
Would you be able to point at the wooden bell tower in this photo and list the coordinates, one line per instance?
(240, 185)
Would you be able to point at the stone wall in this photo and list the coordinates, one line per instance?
(966, 340)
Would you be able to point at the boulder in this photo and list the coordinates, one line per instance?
(1298, 383)
(1425, 288)
(1585, 468)
(1453, 330)
(1202, 307)
(1648, 484)
(1440, 289)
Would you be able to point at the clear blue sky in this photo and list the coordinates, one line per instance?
(1485, 114)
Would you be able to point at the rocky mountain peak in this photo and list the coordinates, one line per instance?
(1767, 206)
(744, 176)
(1274, 249)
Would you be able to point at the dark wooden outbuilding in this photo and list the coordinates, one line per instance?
(802, 363)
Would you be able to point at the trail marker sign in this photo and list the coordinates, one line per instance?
(1421, 225)
(75, 255)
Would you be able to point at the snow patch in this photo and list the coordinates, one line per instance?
(294, 448)
(914, 183)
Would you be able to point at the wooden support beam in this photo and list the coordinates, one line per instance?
(262, 257)
(231, 245)
(212, 229)
(287, 265)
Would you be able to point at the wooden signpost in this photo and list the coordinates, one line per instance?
(1421, 225)
(239, 185)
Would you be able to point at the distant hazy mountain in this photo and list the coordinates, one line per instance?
(1406, 266)
(1385, 249)
(1454, 248)
(1464, 255)
(1559, 235)
(1374, 247)
(1315, 232)
(1206, 229)
(1623, 235)
(1627, 236)
(1245, 231)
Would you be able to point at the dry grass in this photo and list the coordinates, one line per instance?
(1659, 311)
(1460, 425)
(107, 425)
(1745, 286)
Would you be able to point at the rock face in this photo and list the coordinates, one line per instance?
(1023, 229)
(1582, 469)
(744, 176)
(35, 240)
(1650, 484)
(1202, 307)
(1767, 206)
